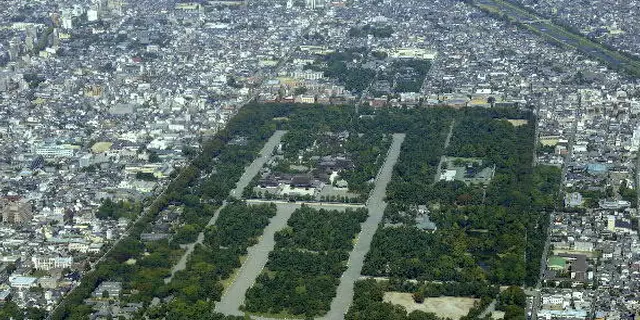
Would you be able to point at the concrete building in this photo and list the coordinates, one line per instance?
(22, 282)
(55, 150)
(15, 212)
(111, 287)
(48, 263)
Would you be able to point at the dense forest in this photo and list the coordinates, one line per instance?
(339, 65)
(486, 235)
(405, 75)
(211, 263)
(304, 270)
(483, 232)
(376, 31)
(115, 210)
(240, 224)
(238, 227)
(10, 310)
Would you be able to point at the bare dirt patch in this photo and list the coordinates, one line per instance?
(518, 122)
(445, 307)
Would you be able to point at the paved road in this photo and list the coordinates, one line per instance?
(535, 292)
(250, 172)
(375, 203)
(257, 258)
(535, 303)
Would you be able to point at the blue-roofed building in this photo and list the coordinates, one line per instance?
(22, 282)
(4, 295)
(597, 168)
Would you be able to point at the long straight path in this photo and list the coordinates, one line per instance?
(312, 204)
(258, 256)
(447, 140)
(248, 174)
(376, 205)
(258, 163)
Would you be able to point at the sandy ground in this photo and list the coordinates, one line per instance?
(445, 307)
(518, 122)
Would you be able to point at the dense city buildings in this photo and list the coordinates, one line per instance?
(103, 103)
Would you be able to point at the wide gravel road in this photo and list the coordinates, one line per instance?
(258, 163)
(376, 205)
(245, 179)
(258, 255)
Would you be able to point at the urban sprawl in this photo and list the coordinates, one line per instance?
(102, 102)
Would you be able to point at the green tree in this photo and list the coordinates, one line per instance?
(153, 157)
(418, 296)
(514, 313)
(512, 296)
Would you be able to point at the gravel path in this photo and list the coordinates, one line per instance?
(258, 255)
(258, 163)
(257, 258)
(245, 179)
(375, 203)
(436, 178)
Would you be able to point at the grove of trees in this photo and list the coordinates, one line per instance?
(304, 270)
(483, 236)
(483, 232)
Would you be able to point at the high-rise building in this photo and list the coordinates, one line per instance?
(67, 22)
(48, 262)
(310, 4)
(15, 211)
(14, 49)
(92, 15)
